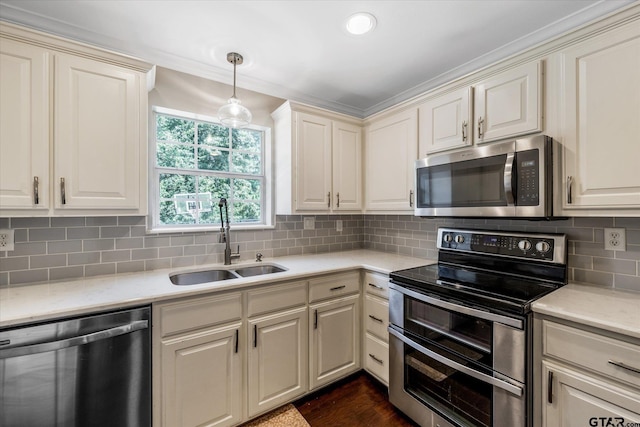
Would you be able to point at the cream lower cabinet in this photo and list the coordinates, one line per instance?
(277, 346)
(198, 362)
(588, 377)
(375, 356)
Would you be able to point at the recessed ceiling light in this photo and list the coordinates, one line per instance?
(361, 23)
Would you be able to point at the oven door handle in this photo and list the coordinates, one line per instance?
(504, 385)
(481, 314)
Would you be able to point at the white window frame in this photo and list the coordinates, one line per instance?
(154, 224)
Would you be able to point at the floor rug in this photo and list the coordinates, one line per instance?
(285, 416)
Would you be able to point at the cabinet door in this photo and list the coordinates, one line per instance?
(579, 400)
(202, 378)
(509, 104)
(334, 339)
(24, 126)
(391, 148)
(444, 122)
(601, 121)
(97, 135)
(277, 359)
(313, 163)
(347, 169)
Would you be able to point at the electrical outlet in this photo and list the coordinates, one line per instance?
(310, 223)
(615, 239)
(6, 240)
(339, 226)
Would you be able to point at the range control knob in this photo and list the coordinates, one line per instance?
(543, 247)
(459, 238)
(525, 245)
(448, 238)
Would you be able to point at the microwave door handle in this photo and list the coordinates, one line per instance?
(508, 177)
(504, 385)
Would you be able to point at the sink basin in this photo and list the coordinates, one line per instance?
(257, 270)
(206, 276)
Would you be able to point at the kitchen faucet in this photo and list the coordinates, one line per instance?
(225, 233)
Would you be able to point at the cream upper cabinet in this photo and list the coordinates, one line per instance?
(445, 122)
(91, 157)
(24, 126)
(391, 149)
(318, 161)
(600, 121)
(508, 104)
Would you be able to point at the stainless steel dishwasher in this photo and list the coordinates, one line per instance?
(87, 371)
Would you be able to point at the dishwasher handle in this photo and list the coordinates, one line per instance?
(74, 341)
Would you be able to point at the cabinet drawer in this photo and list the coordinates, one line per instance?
(273, 298)
(592, 351)
(199, 313)
(334, 286)
(376, 358)
(377, 284)
(377, 316)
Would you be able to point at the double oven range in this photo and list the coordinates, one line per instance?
(460, 331)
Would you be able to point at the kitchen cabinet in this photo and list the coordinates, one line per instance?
(334, 328)
(277, 356)
(318, 161)
(375, 357)
(445, 122)
(509, 104)
(391, 149)
(600, 122)
(587, 375)
(86, 156)
(198, 362)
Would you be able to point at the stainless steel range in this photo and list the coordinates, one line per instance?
(460, 330)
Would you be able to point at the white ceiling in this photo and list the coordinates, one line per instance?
(299, 50)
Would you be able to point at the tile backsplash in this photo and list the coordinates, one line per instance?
(65, 248)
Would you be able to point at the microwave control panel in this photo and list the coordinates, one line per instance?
(516, 245)
(528, 178)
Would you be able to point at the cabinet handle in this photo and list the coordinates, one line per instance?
(464, 130)
(36, 196)
(236, 350)
(480, 122)
(375, 286)
(255, 336)
(338, 288)
(315, 319)
(375, 318)
(63, 195)
(410, 198)
(569, 185)
(329, 199)
(338, 202)
(380, 361)
(623, 366)
(550, 387)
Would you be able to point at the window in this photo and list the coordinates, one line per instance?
(197, 162)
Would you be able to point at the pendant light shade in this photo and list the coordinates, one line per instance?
(233, 114)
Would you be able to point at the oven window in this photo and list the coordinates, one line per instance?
(449, 389)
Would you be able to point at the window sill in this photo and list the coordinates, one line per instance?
(234, 227)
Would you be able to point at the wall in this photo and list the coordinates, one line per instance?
(63, 248)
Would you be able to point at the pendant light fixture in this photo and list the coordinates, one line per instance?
(233, 114)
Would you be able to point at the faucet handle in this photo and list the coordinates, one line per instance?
(258, 257)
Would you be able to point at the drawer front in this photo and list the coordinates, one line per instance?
(199, 313)
(274, 298)
(376, 358)
(438, 421)
(376, 284)
(592, 351)
(377, 316)
(334, 286)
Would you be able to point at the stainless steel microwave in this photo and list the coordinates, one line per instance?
(511, 179)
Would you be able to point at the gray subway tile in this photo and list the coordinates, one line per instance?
(580, 261)
(595, 277)
(138, 231)
(102, 220)
(5, 223)
(614, 265)
(68, 221)
(132, 220)
(630, 283)
(157, 264)
(195, 250)
(21, 235)
(4, 278)
(130, 266)
(628, 222)
(64, 246)
(149, 253)
(116, 256)
(181, 240)
(115, 232)
(130, 243)
(14, 263)
(99, 269)
(41, 261)
(28, 276)
(156, 241)
(46, 234)
(34, 222)
(97, 245)
(33, 248)
(170, 252)
(66, 272)
(83, 233)
(207, 238)
(84, 258)
(595, 222)
(185, 261)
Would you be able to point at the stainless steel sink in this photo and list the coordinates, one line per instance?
(257, 270)
(206, 276)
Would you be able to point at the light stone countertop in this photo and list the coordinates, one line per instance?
(601, 307)
(37, 302)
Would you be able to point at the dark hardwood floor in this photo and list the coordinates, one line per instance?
(358, 400)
